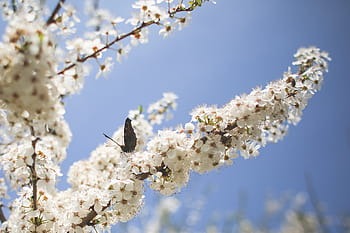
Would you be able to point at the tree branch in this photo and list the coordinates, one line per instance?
(87, 220)
(108, 45)
(121, 37)
(51, 19)
(316, 204)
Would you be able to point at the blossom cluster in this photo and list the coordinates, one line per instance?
(26, 72)
(216, 136)
(156, 111)
(174, 170)
(248, 122)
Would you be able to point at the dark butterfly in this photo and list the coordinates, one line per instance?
(129, 137)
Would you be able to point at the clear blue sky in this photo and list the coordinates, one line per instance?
(227, 49)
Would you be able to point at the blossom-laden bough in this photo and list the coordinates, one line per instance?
(36, 73)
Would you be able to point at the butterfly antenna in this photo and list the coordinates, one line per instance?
(111, 139)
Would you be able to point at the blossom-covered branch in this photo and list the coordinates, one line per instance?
(108, 187)
(150, 13)
(214, 137)
(97, 51)
(34, 181)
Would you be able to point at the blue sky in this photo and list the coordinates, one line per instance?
(227, 49)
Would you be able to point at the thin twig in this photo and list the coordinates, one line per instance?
(108, 45)
(13, 4)
(2, 215)
(316, 204)
(51, 19)
(34, 176)
(96, 6)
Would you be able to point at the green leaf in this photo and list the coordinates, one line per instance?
(140, 108)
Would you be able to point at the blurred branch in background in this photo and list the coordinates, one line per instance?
(286, 213)
(319, 211)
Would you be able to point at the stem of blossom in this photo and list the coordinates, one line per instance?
(51, 19)
(2, 216)
(95, 4)
(87, 220)
(34, 178)
(121, 37)
(162, 168)
(13, 4)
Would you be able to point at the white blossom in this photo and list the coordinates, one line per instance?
(3, 190)
(159, 110)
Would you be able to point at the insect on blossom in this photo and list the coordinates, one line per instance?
(129, 137)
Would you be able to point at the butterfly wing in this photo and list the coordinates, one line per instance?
(129, 137)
